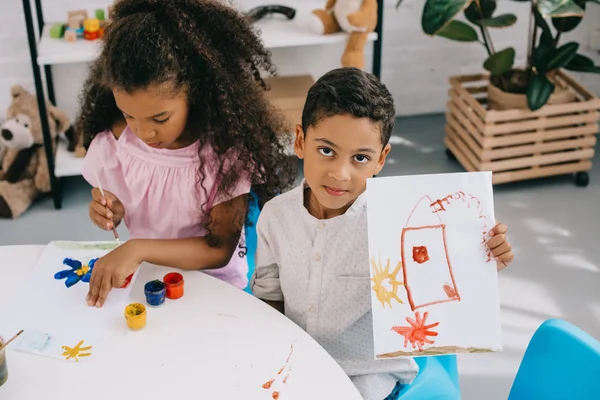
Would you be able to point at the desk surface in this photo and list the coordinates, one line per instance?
(216, 342)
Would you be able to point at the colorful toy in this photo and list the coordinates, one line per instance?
(57, 31)
(91, 28)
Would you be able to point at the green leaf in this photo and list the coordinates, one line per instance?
(581, 63)
(541, 22)
(439, 13)
(567, 24)
(460, 31)
(539, 91)
(500, 62)
(474, 14)
(559, 8)
(562, 55)
(501, 21)
(541, 55)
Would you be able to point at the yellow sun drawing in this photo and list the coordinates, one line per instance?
(385, 284)
(76, 352)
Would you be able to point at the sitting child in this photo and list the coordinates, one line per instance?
(312, 255)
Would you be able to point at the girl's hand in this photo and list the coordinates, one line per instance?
(111, 271)
(106, 212)
(501, 249)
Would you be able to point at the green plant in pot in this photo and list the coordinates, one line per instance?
(510, 87)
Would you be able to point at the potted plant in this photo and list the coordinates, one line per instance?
(520, 122)
(532, 86)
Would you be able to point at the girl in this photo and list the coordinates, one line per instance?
(178, 129)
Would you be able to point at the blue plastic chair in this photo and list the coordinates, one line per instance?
(561, 362)
(250, 232)
(437, 380)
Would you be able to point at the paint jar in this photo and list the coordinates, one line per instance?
(3, 366)
(155, 292)
(135, 315)
(174, 285)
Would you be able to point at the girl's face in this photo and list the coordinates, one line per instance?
(156, 116)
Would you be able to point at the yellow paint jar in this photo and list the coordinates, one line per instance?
(135, 315)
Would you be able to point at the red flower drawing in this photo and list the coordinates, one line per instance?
(417, 332)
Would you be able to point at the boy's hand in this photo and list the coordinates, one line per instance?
(501, 249)
(106, 212)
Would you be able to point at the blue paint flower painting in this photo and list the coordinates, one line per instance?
(78, 272)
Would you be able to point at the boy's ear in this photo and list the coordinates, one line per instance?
(299, 142)
(382, 157)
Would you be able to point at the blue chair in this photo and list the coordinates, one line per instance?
(561, 362)
(437, 380)
(250, 232)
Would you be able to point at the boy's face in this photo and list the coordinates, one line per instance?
(340, 153)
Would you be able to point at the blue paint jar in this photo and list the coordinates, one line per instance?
(155, 292)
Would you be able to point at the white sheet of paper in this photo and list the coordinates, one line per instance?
(434, 282)
(54, 315)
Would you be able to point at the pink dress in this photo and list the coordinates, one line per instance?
(159, 190)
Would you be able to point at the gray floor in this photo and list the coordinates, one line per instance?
(552, 229)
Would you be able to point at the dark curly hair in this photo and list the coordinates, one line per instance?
(353, 92)
(209, 50)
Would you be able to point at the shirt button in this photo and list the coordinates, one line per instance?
(317, 257)
(321, 225)
(311, 309)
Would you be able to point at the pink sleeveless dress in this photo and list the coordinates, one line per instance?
(159, 190)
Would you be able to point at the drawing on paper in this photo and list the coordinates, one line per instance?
(57, 319)
(76, 352)
(385, 283)
(79, 271)
(417, 332)
(278, 380)
(436, 235)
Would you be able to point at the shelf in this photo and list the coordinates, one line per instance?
(276, 32)
(66, 164)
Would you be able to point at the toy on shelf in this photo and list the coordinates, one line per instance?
(80, 26)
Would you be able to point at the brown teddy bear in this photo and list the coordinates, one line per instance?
(358, 17)
(24, 175)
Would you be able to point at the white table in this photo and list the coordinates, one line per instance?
(216, 342)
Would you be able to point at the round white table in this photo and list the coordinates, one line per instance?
(216, 342)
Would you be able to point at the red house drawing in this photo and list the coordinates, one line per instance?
(427, 269)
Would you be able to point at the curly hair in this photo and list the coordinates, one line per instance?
(209, 50)
(351, 91)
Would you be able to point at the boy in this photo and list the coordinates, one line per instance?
(312, 257)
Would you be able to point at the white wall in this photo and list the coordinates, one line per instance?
(415, 67)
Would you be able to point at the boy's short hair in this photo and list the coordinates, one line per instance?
(350, 91)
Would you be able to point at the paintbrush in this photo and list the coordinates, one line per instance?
(114, 229)
(10, 340)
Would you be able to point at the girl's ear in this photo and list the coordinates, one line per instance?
(299, 142)
(382, 157)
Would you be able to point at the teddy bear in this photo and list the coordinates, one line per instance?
(358, 17)
(24, 174)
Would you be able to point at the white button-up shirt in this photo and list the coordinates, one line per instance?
(320, 270)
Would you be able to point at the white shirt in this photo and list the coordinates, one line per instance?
(320, 269)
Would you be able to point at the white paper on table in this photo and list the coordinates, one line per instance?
(53, 315)
(434, 282)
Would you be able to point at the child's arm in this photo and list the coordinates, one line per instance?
(227, 221)
(265, 282)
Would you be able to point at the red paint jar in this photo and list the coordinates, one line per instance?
(174, 285)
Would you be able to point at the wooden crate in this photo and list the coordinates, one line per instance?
(520, 144)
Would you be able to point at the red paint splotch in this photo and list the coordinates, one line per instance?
(286, 366)
(267, 385)
(420, 254)
(417, 332)
(450, 291)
